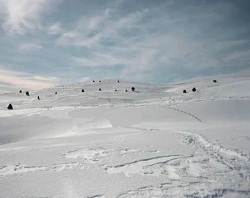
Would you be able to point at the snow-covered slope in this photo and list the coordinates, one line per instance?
(154, 142)
(111, 92)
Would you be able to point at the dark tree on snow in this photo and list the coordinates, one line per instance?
(133, 89)
(10, 107)
(184, 91)
(194, 89)
(27, 93)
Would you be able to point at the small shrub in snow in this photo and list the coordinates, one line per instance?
(10, 107)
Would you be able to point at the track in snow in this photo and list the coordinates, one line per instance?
(187, 113)
(234, 160)
(211, 171)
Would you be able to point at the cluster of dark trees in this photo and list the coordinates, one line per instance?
(10, 106)
(101, 81)
(26, 93)
(133, 89)
(194, 89)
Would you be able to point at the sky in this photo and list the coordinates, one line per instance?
(49, 42)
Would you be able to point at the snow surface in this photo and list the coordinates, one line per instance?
(154, 142)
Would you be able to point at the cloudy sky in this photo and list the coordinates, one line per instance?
(46, 42)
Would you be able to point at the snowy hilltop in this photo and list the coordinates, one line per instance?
(115, 138)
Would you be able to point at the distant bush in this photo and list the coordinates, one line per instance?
(10, 107)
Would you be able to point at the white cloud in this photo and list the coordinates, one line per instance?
(30, 47)
(22, 15)
(229, 44)
(143, 37)
(154, 37)
(55, 29)
(25, 80)
(239, 55)
(149, 46)
(89, 32)
(75, 38)
(98, 60)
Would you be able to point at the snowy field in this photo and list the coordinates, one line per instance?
(154, 142)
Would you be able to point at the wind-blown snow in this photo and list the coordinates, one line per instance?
(154, 142)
